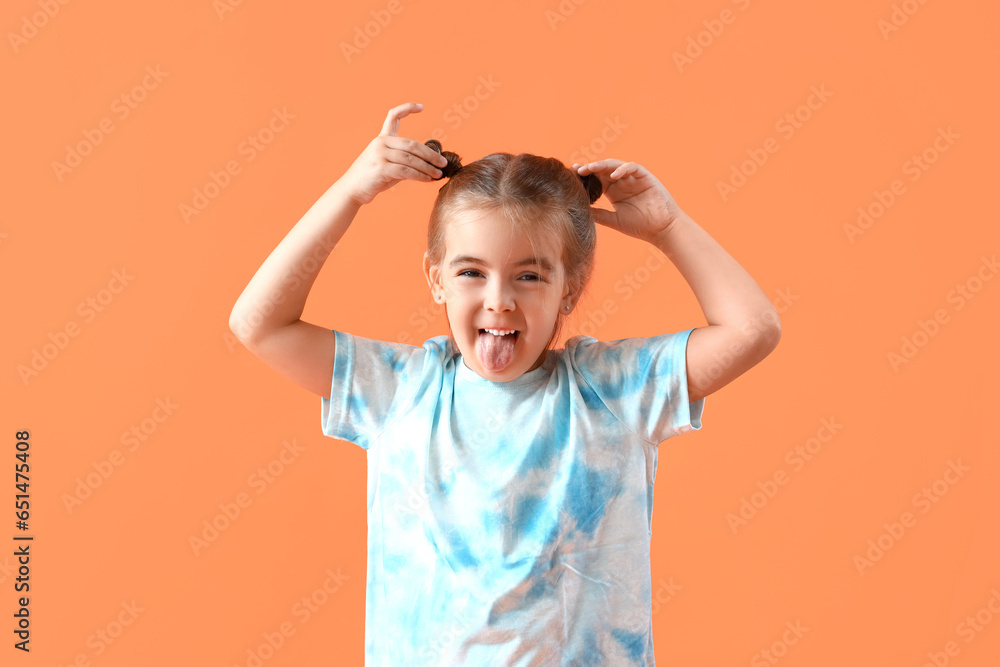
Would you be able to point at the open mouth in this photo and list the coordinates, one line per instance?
(495, 348)
(515, 334)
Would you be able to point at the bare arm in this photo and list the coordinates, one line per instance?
(276, 295)
(743, 326)
(266, 317)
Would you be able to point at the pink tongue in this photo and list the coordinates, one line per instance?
(495, 351)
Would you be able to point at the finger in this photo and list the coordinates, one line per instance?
(604, 217)
(401, 172)
(603, 169)
(619, 171)
(414, 154)
(417, 155)
(626, 169)
(600, 166)
(396, 114)
(421, 150)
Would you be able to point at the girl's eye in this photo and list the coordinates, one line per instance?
(531, 276)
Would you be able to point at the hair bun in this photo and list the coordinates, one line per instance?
(454, 161)
(592, 184)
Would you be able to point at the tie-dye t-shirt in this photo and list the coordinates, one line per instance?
(509, 522)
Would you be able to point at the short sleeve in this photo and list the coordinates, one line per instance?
(642, 381)
(373, 383)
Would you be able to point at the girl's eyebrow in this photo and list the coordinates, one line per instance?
(542, 262)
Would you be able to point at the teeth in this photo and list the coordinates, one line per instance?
(498, 332)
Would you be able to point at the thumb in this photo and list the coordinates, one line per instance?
(604, 217)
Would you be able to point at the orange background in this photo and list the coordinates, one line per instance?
(562, 72)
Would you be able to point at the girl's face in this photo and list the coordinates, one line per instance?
(491, 279)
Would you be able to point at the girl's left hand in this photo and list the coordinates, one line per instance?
(643, 207)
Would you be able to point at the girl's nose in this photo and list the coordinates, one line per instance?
(498, 297)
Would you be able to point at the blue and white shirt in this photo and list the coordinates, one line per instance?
(509, 522)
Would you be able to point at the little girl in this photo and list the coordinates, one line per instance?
(510, 485)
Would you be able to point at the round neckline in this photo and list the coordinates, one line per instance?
(472, 377)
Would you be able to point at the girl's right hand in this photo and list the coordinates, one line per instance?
(389, 159)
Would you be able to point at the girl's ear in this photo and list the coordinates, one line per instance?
(569, 295)
(431, 273)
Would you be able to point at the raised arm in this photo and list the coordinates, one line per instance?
(266, 317)
(743, 326)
